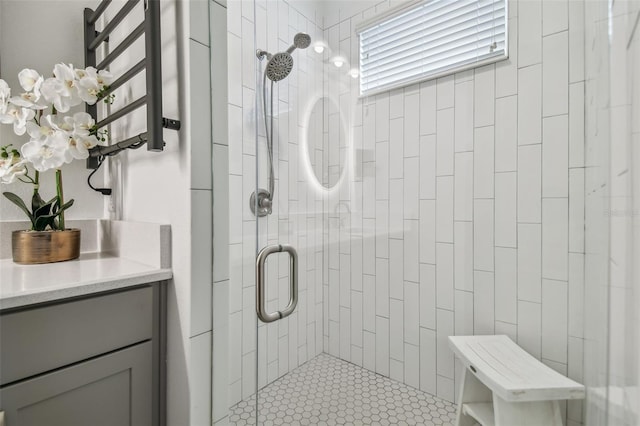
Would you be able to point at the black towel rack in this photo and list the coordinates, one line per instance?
(152, 65)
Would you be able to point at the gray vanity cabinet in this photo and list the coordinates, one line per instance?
(97, 360)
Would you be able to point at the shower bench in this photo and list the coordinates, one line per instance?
(503, 385)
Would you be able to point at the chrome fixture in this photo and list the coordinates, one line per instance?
(261, 308)
(262, 204)
(278, 67)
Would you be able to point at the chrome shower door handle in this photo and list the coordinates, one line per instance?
(261, 308)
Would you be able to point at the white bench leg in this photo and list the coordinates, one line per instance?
(472, 390)
(537, 413)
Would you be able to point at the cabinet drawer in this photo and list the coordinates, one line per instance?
(111, 390)
(41, 339)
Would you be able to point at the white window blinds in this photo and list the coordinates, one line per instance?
(429, 39)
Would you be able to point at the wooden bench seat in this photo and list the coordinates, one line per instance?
(504, 385)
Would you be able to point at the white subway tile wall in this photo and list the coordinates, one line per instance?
(457, 214)
(494, 209)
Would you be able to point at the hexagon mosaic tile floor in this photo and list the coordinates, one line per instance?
(330, 391)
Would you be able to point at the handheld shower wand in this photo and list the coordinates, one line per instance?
(278, 67)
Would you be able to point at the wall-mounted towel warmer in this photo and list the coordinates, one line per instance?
(152, 65)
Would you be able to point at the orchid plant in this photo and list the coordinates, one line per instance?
(55, 138)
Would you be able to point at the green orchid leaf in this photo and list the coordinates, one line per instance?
(54, 223)
(44, 210)
(18, 202)
(55, 202)
(51, 219)
(66, 205)
(36, 201)
(56, 206)
(43, 221)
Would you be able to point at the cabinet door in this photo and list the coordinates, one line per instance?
(111, 390)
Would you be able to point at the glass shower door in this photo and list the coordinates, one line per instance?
(277, 270)
(289, 213)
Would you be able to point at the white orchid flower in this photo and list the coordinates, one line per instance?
(12, 172)
(81, 73)
(11, 167)
(46, 129)
(51, 89)
(19, 117)
(92, 141)
(82, 123)
(59, 94)
(30, 80)
(88, 89)
(88, 72)
(5, 93)
(60, 122)
(76, 148)
(64, 123)
(79, 146)
(55, 138)
(92, 83)
(62, 90)
(67, 76)
(23, 116)
(66, 73)
(103, 77)
(28, 100)
(48, 153)
(82, 141)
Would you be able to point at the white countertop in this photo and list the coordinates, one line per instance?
(22, 285)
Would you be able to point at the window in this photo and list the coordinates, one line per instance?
(429, 39)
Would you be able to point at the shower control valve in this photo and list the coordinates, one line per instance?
(262, 206)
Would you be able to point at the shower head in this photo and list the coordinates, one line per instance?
(300, 41)
(279, 66)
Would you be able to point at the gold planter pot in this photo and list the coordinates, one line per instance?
(31, 247)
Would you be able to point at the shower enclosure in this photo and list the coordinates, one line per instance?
(325, 208)
(365, 230)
